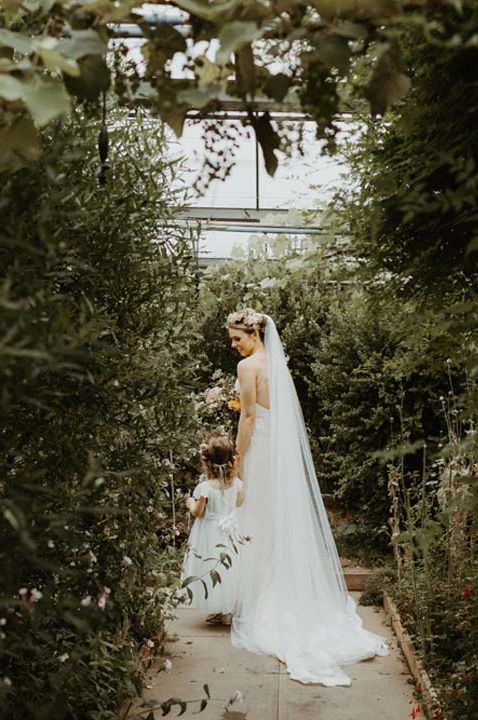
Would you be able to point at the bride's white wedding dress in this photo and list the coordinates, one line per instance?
(293, 603)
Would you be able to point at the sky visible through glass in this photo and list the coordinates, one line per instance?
(301, 182)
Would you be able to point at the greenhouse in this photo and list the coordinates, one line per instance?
(238, 359)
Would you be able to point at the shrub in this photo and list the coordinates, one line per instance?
(96, 375)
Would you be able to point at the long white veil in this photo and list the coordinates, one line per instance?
(296, 605)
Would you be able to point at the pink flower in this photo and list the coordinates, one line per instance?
(101, 602)
(415, 712)
(467, 592)
(35, 595)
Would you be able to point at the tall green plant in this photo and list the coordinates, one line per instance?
(95, 375)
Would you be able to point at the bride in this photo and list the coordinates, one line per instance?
(293, 602)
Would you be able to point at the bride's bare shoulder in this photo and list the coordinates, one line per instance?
(247, 363)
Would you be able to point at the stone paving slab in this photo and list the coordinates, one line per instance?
(204, 655)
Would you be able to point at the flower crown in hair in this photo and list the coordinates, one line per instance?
(249, 318)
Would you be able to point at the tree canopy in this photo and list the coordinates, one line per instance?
(289, 53)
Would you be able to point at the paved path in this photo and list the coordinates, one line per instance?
(201, 654)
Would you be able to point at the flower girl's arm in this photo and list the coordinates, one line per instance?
(196, 507)
(240, 497)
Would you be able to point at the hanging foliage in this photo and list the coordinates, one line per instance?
(291, 53)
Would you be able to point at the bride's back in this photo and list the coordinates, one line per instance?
(258, 362)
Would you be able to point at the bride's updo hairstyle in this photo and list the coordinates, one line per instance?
(218, 459)
(248, 320)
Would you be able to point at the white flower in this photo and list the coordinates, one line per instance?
(237, 697)
(86, 602)
(127, 560)
(212, 395)
(3, 621)
(51, 544)
(167, 665)
(63, 658)
(106, 590)
(102, 602)
(7, 682)
(93, 557)
(150, 643)
(35, 595)
(23, 592)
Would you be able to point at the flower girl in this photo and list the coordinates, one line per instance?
(214, 505)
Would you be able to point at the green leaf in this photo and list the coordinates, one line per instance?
(235, 35)
(164, 43)
(54, 60)
(215, 577)
(246, 71)
(94, 78)
(276, 86)
(225, 559)
(19, 144)
(268, 140)
(20, 43)
(206, 593)
(334, 52)
(81, 44)
(187, 581)
(387, 84)
(46, 100)
(11, 88)
(214, 12)
(183, 707)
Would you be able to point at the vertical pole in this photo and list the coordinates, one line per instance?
(257, 171)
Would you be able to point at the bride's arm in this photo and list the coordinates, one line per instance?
(247, 381)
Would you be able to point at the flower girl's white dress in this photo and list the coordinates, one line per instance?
(215, 527)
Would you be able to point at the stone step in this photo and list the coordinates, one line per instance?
(356, 578)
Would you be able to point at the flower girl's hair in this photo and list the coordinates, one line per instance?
(218, 459)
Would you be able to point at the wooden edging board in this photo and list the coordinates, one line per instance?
(430, 699)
